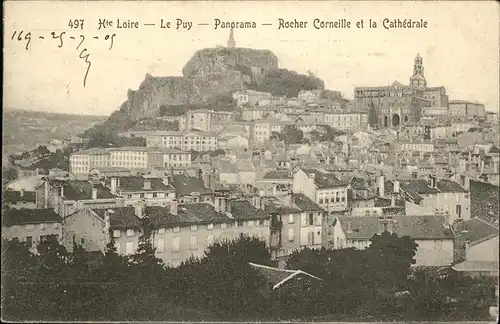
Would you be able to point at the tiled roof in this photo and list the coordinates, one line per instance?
(475, 230)
(82, 190)
(29, 216)
(187, 214)
(136, 183)
(419, 186)
(417, 227)
(358, 184)
(185, 185)
(324, 179)
(304, 203)
(278, 277)
(243, 209)
(120, 217)
(279, 174)
(15, 196)
(449, 186)
(476, 266)
(273, 275)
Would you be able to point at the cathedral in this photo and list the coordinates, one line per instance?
(398, 104)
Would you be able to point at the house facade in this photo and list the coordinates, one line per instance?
(431, 233)
(31, 226)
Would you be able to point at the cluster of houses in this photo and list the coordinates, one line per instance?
(407, 172)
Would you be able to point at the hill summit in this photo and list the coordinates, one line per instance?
(209, 75)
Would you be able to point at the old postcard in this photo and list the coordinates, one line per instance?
(257, 161)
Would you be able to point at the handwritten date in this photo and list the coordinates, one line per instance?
(83, 54)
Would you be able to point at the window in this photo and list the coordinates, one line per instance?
(194, 242)
(177, 229)
(291, 219)
(130, 232)
(155, 194)
(311, 219)
(223, 225)
(130, 247)
(459, 211)
(161, 245)
(141, 195)
(176, 241)
(29, 241)
(210, 226)
(116, 233)
(82, 241)
(291, 234)
(194, 228)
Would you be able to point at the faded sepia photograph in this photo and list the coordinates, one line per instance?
(250, 161)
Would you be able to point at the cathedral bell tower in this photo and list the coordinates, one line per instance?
(230, 42)
(418, 79)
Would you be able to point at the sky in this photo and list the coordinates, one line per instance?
(460, 47)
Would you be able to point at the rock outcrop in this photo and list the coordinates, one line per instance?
(208, 73)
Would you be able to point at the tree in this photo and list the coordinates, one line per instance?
(146, 263)
(292, 135)
(10, 173)
(389, 253)
(372, 116)
(246, 249)
(42, 150)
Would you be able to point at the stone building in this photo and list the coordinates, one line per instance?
(399, 104)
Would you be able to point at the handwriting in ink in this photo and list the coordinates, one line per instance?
(60, 38)
(27, 38)
(84, 54)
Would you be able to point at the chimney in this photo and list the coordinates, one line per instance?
(223, 205)
(147, 184)
(381, 186)
(94, 193)
(287, 199)
(114, 183)
(21, 192)
(46, 194)
(107, 220)
(256, 201)
(207, 180)
(139, 210)
(390, 224)
(396, 186)
(466, 184)
(166, 180)
(217, 204)
(173, 207)
(380, 225)
(62, 191)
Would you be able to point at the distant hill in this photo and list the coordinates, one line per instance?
(25, 129)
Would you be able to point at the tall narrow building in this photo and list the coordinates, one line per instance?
(230, 42)
(418, 78)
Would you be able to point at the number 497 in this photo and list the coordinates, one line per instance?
(76, 23)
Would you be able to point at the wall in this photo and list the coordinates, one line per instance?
(33, 230)
(434, 252)
(484, 251)
(87, 225)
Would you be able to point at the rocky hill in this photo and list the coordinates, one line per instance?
(209, 74)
